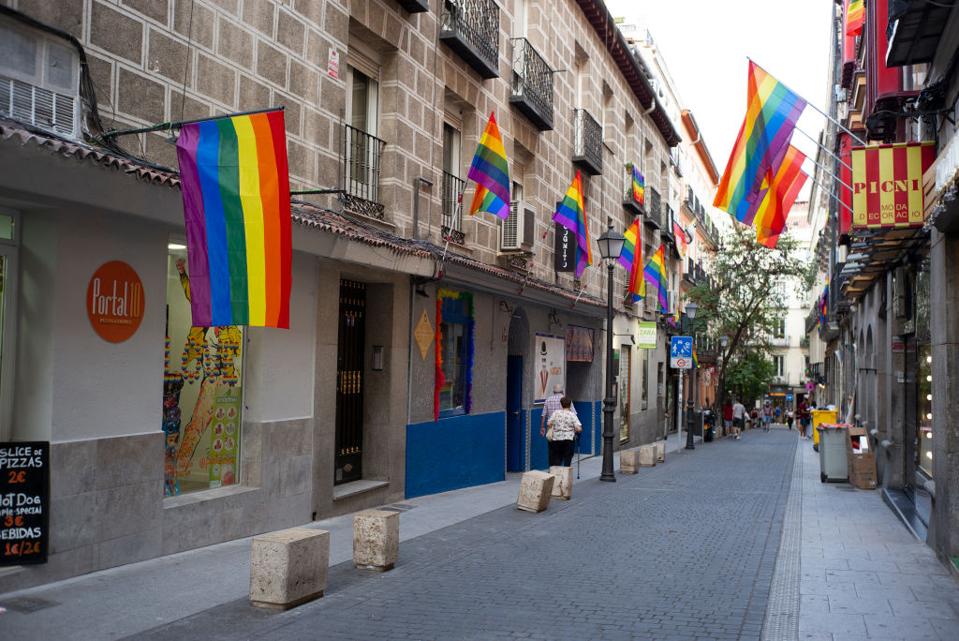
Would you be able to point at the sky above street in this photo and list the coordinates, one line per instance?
(706, 44)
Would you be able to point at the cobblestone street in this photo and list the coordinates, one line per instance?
(680, 551)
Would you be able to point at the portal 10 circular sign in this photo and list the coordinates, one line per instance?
(115, 301)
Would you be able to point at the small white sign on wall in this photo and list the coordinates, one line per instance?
(333, 64)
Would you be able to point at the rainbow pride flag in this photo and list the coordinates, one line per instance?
(855, 17)
(236, 207)
(490, 171)
(772, 211)
(654, 274)
(771, 114)
(639, 186)
(571, 214)
(631, 258)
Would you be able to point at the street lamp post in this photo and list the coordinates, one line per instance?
(610, 247)
(691, 404)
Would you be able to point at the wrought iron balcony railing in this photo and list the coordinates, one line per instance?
(587, 143)
(471, 29)
(452, 226)
(360, 157)
(629, 199)
(532, 84)
(668, 218)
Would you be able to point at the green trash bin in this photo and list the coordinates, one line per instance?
(833, 466)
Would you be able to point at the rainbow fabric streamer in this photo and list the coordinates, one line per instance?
(654, 274)
(236, 207)
(855, 17)
(695, 358)
(571, 214)
(631, 258)
(639, 187)
(490, 171)
(771, 114)
(681, 237)
(772, 211)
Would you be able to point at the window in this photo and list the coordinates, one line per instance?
(778, 365)
(202, 392)
(455, 338)
(453, 184)
(9, 232)
(361, 147)
(38, 79)
(780, 329)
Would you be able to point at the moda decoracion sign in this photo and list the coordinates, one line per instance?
(24, 501)
(115, 301)
(646, 336)
(887, 184)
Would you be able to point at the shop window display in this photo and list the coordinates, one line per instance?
(202, 392)
(924, 378)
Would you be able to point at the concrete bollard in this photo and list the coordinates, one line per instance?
(535, 490)
(376, 540)
(660, 451)
(563, 483)
(629, 461)
(288, 567)
(647, 455)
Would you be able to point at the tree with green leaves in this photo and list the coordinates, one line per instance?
(744, 302)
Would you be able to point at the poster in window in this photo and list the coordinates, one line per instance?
(549, 367)
(579, 344)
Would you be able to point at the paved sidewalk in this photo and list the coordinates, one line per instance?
(169, 588)
(863, 575)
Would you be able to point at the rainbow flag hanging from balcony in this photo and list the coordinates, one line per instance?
(571, 214)
(639, 186)
(771, 114)
(490, 171)
(236, 207)
(631, 258)
(654, 275)
(855, 17)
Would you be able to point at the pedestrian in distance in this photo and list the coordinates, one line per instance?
(728, 417)
(550, 406)
(739, 418)
(803, 415)
(779, 414)
(564, 425)
(789, 418)
(767, 417)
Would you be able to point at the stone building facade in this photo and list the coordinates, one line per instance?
(384, 102)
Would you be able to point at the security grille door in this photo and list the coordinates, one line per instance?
(349, 383)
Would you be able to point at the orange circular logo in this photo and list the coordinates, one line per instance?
(115, 301)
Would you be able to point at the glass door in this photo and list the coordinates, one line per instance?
(8, 295)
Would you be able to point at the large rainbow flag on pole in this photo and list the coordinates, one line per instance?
(236, 207)
(771, 212)
(571, 214)
(631, 258)
(654, 274)
(490, 171)
(771, 114)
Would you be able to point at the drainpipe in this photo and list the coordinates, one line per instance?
(652, 108)
(839, 378)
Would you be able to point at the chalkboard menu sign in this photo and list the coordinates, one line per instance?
(24, 502)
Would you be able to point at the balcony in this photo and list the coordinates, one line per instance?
(414, 6)
(630, 203)
(471, 29)
(916, 27)
(452, 222)
(694, 273)
(360, 168)
(587, 143)
(532, 85)
(654, 215)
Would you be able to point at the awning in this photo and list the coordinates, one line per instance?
(916, 26)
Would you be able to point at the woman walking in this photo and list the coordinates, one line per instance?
(563, 428)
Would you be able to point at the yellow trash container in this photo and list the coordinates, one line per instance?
(820, 417)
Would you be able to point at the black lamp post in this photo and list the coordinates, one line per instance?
(691, 403)
(610, 247)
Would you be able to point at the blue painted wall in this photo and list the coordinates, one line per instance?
(455, 452)
(538, 445)
(584, 409)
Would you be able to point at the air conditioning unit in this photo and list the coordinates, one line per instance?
(518, 231)
(39, 80)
